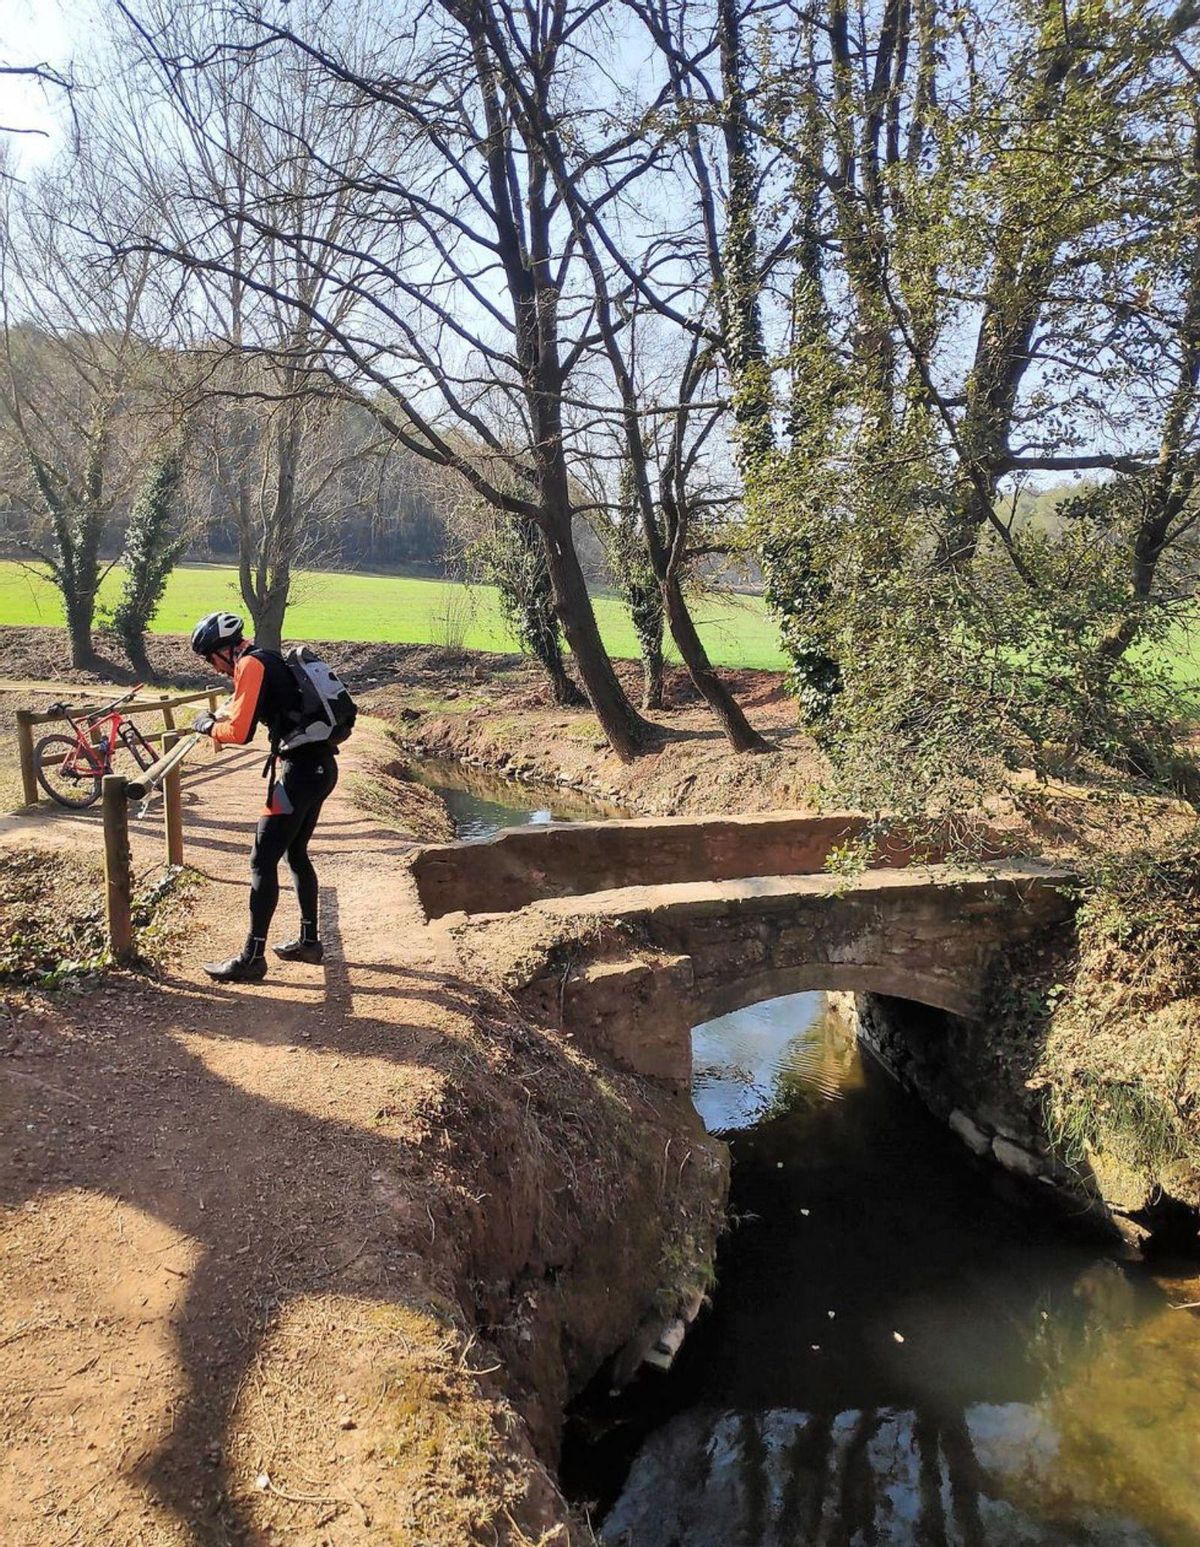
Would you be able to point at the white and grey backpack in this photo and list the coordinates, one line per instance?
(327, 712)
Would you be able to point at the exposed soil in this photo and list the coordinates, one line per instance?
(317, 1261)
(321, 1261)
(43, 654)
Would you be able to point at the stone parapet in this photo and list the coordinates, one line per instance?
(528, 864)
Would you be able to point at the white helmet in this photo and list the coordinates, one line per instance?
(217, 631)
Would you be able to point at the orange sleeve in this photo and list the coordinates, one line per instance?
(247, 685)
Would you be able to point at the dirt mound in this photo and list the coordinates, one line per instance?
(43, 654)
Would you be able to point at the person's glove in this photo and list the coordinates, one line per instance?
(204, 722)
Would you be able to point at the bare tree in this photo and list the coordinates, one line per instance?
(237, 167)
(577, 165)
(458, 314)
(46, 75)
(82, 381)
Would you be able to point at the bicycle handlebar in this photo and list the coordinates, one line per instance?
(93, 712)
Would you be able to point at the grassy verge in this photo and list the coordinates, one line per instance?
(397, 609)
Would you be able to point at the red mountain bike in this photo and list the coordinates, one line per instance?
(70, 768)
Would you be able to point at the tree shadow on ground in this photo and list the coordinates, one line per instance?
(131, 1103)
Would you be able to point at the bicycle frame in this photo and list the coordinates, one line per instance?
(96, 735)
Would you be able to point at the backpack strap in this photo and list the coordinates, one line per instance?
(270, 770)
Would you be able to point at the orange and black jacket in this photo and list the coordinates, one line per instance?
(264, 693)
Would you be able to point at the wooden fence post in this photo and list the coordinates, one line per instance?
(118, 877)
(25, 748)
(173, 806)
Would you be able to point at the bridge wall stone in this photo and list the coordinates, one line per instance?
(528, 864)
(697, 951)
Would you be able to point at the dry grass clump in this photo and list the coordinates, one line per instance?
(374, 1414)
(384, 790)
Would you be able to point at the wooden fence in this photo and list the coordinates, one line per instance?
(117, 793)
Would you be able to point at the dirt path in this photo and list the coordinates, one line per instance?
(229, 1310)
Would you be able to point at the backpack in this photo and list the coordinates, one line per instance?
(327, 712)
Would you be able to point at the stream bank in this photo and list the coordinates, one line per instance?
(904, 1346)
(584, 1270)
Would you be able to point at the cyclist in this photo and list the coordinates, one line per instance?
(266, 693)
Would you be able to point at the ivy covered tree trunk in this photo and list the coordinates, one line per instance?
(795, 592)
(80, 617)
(798, 587)
(646, 609)
(510, 554)
(77, 519)
(633, 571)
(152, 550)
(531, 610)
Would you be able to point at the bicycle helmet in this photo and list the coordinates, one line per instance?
(218, 631)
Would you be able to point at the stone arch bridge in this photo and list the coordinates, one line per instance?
(647, 927)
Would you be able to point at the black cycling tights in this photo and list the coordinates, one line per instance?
(285, 828)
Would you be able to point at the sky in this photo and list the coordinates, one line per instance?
(37, 32)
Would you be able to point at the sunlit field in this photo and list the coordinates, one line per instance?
(397, 609)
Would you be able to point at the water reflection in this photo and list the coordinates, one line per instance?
(746, 1062)
(782, 1478)
(896, 1353)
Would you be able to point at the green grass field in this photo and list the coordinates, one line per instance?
(397, 610)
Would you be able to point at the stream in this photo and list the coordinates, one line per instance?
(481, 804)
(901, 1349)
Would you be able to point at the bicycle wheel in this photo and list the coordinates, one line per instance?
(65, 773)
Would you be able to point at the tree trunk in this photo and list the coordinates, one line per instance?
(135, 649)
(652, 674)
(741, 734)
(79, 626)
(523, 246)
(268, 617)
(627, 732)
(567, 694)
(1174, 481)
(966, 517)
(533, 599)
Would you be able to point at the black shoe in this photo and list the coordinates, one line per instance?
(310, 951)
(238, 969)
